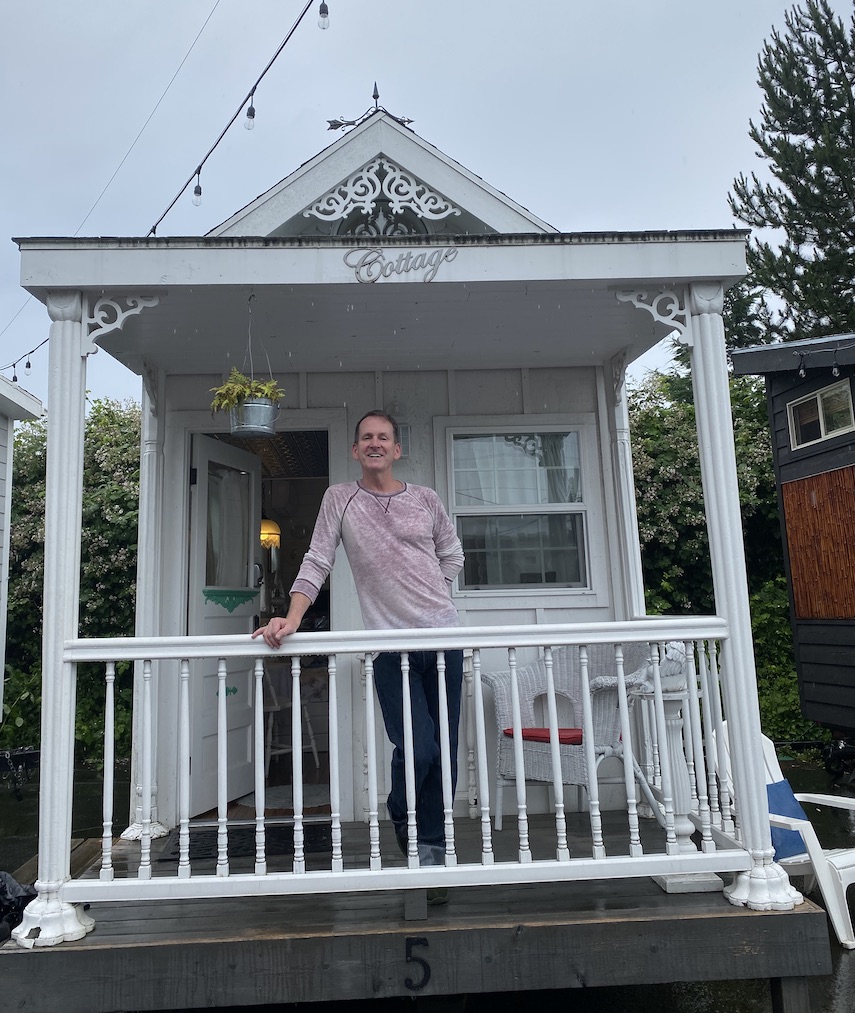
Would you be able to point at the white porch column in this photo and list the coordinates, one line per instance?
(48, 920)
(630, 542)
(148, 593)
(766, 885)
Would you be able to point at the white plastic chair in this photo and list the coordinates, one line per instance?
(832, 870)
(567, 679)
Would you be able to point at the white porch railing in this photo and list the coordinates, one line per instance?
(675, 756)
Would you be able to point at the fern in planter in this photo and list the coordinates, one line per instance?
(238, 388)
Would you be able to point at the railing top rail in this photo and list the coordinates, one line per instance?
(659, 629)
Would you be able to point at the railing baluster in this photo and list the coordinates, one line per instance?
(666, 783)
(259, 765)
(709, 733)
(106, 872)
(519, 761)
(588, 744)
(184, 770)
(409, 763)
(222, 771)
(468, 721)
(297, 765)
(147, 751)
(374, 859)
(699, 765)
(725, 782)
(562, 849)
(445, 760)
(483, 783)
(335, 789)
(629, 761)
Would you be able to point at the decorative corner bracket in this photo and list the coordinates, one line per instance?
(618, 364)
(665, 306)
(108, 314)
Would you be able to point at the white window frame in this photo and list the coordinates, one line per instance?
(817, 396)
(591, 508)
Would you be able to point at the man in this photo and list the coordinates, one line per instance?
(404, 553)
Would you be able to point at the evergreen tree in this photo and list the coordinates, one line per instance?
(802, 279)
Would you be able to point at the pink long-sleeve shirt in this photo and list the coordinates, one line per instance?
(402, 549)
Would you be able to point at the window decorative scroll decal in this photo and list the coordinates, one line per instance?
(381, 181)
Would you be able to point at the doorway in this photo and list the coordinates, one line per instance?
(294, 477)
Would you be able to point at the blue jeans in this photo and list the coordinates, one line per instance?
(425, 707)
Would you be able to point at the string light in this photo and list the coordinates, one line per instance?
(14, 365)
(197, 190)
(835, 365)
(323, 16)
(249, 122)
(27, 367)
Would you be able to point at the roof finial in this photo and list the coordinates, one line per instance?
(341, 123)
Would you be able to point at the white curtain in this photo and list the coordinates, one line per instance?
(228, 534)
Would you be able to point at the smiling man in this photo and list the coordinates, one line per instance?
(404, 553)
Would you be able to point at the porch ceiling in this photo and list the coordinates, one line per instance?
(369, 327)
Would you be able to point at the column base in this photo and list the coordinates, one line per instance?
(135, 831)
(763, 888)
(47, 922)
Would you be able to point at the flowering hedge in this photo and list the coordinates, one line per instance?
(108, 571)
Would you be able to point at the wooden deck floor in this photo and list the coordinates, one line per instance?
(265, 950)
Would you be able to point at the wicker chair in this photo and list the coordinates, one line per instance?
(567, 678)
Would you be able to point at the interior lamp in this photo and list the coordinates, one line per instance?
(270, 533)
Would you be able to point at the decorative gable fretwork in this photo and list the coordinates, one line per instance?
(381, 198)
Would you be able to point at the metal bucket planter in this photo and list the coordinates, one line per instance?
(254, 417)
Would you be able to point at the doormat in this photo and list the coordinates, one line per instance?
(280, 797)
(279, 840)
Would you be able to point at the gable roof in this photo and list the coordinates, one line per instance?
(479, 207)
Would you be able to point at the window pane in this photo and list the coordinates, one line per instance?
(806, 422)
(837, 410)
(516, 469)
(531, 550)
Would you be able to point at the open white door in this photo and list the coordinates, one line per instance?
(225, 515)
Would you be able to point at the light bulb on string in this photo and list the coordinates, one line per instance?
(27, 366)
(323, 15)
(15, 373)
(197, 190)
(835, 369)
(249, 122)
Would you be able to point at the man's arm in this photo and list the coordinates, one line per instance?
(280, 627)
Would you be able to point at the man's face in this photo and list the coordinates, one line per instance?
(376, 449)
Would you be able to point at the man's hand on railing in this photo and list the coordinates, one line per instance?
(277, 629)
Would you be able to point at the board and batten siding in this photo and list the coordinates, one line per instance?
(816, 486)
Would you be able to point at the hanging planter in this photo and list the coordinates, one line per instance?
(253, 405)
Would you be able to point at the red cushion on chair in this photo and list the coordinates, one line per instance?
(566, 736)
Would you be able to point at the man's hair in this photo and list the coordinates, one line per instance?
(378, 414)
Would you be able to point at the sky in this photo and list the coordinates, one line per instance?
(613, 115)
